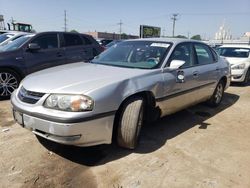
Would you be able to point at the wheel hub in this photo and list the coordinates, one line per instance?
(8, 83)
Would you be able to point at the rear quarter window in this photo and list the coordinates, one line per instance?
(72, 40)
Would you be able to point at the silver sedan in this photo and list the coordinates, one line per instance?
(133, 82)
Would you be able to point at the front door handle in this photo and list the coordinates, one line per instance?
(195, 74)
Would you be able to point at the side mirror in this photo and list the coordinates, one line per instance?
(176, 64)
(33, 47)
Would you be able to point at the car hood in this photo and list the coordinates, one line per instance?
(77, 78)
(236, 61)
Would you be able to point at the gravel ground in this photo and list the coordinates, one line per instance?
(197, 147)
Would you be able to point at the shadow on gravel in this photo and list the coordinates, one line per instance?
(4, 98)
(236, 84)
(153, 136)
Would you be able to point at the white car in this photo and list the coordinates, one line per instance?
(239, 58)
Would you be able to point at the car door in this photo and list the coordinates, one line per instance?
(180, 85)
(208, 70)
(50, 54)
(75, 49)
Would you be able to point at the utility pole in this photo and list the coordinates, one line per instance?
(120, 29)
(65, 20)
(174, 18)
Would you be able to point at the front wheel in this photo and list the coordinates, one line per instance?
(130, 122)
(247, 78)
(9, 81)
(217, 96)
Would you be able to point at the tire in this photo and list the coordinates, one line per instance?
(130, 122)
(217, 96)
(9, 81)
(247, 78)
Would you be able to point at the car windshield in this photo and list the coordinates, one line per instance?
(134, 54)
(16, 43)
(5, 36)
(233, 52)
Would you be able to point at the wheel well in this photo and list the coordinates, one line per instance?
(224, 80)
(149, 100)
(18, 72)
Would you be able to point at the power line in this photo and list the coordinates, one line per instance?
(174, 18)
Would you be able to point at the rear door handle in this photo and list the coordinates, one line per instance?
(217, 69)
(195, 74)
(59, 54)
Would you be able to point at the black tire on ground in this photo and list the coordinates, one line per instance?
(247, 78)
(130, 122)
(9, 81)
(217, 96)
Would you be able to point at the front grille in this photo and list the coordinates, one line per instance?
(30, 97)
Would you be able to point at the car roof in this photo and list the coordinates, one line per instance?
(15, 32)
(172, 40)
(235, 46)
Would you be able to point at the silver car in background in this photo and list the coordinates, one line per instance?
(133, 82)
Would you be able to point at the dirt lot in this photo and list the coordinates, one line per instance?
(197, 147)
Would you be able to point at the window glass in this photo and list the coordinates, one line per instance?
(134, 54)
(72, 40)
(5, 36)
(234, 52)
(215, 55)
(86, 41)
(47, 41)
(16, 43)
(183, 52)
(204, 55)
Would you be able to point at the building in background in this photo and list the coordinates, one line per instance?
(113, 36)
(223, 33)
(2, 25)
(224, 36)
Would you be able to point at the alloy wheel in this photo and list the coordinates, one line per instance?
(219, 93)
(8, 83)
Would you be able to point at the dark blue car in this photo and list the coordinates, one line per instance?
(35, 52)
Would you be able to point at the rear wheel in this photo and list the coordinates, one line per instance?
(9, 81)
(130, 122)
(217, 96)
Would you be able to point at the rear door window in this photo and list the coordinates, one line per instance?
(72, 40)
(203, 54)
(86, 41)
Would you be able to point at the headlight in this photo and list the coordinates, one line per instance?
(240, 66)
(73, 103)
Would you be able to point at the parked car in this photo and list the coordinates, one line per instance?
(130, 83)
(104, 42)
(239, 58)
(10, 37)
(112, 43)
(43, 50)
(4, 37)
(3, 31)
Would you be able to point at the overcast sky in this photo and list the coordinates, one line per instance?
(202, 17)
